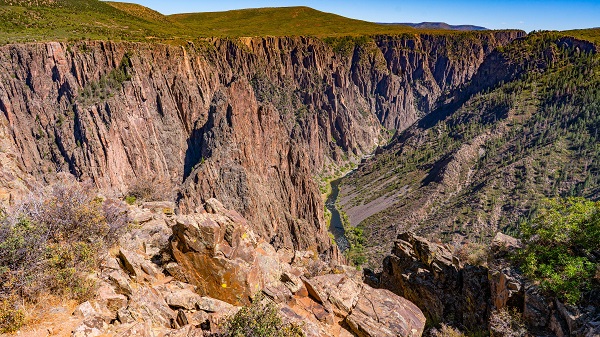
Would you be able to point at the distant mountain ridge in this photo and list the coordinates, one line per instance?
(438, 25)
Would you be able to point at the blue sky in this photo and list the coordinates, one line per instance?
(524, 14)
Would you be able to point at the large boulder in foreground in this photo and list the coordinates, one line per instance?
(341, 305)
(381, 313)
(221, 256)
(221, 262)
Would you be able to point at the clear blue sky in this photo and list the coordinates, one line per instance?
(522, 14)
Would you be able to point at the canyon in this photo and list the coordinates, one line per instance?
(234, 166)
(251, 121)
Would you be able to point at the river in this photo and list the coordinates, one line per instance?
(336, 227)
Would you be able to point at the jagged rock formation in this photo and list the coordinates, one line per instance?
(250, 121)
(428, 275)
(154, 288)
(448, 290)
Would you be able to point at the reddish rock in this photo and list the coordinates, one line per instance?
(222, 257)
(381, 313)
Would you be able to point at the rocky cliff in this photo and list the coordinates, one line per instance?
(250, 121)
(154, 285)
(470, 296)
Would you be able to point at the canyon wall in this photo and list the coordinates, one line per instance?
(250, 121)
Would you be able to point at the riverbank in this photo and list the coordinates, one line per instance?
(335, 224)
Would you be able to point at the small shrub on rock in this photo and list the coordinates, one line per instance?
(445, 331)
(149, 189)
(505, 323)
(260, 319)
(473, 253)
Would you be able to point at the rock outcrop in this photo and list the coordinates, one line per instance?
(427, 274)
(250, 121)
(185, 275)
(221, 256)
(457, 293)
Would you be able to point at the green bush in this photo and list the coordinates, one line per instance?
(356, 252)
(130, 199)
(559, 242)
(11, 318)
(53, 240)
(260, 319)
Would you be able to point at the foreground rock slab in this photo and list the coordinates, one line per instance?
(381, 313)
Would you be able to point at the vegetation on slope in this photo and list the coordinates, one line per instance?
(141, 12)
(562, 247)
(49, 245)
(281, 22)
(592, 34)
(480, 168)
(59, 20)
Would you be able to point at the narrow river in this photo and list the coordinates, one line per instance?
(336, 227)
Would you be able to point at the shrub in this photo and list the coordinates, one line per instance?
(53, 240)
(559, 240)
(66, 269)
(260, 319)
(445, 331)
(150, 189)
(355, 254)
(130, 199)
(505, 323)
(474, 254)
(11, 318)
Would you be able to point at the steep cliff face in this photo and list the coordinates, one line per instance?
(249, 120)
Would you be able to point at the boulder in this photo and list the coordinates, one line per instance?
(90, 327)
(220, 255)
(139, 216)
(209, 304)
(381, 313)
(182, 299)
(175, 270)
(315, 310)
(292, 282)
(503, 244)
(136, 265)
(160, 207)
(151, 236)
(109, 299)
(506, 287)
(148, 305)
(278, 293)
(309, 327)
(338, 289)
(120, 282)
